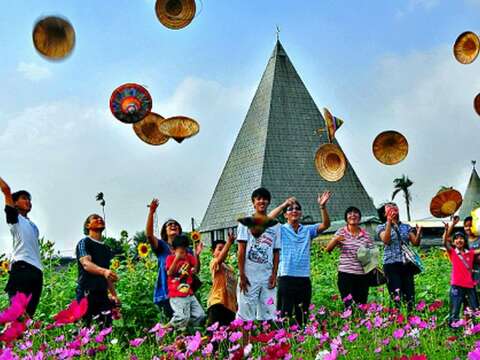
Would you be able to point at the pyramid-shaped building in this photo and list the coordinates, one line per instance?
(471, 198)
(276, 148)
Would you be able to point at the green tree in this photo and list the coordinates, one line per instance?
(402, 184)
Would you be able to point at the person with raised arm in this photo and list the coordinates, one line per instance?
(394, 233)
(294, 284)
(162, 248)
(96, 281)
(26, 269)
(222, 300)
(462, 283)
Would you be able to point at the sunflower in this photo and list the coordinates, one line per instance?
(5, 266)
(143, 250)
(195, 235)
(115, 264)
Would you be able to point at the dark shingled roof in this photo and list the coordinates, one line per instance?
(471, 199)
(276, 148)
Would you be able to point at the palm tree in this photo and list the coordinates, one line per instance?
(402, 184)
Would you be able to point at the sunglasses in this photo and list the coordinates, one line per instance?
(292, 208)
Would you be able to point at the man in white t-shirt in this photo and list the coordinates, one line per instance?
(258, 260)
(26, 270)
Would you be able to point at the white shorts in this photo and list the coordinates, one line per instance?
(258, 303)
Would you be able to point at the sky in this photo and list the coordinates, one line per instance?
(378, 65)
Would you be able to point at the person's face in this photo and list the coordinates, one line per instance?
(353, 218)
(181, 252)
(459, 242)
(293, 213)
(23, 204)
(96, 223)
(260, 205)
(218, 249)
(467, 227)
(173, 229)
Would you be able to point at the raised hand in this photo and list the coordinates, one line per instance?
(323, 198)
(153, 205)
(199, 248)
(231, 236)
(418, 228)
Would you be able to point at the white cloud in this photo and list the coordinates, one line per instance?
(33, 71)
(414, 5)
(66, 152)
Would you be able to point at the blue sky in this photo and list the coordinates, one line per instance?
(377, 64)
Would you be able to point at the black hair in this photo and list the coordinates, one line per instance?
(352, 209)
(381, 211)
(163, 231)
(16, 195)
(180, 241)
(468, 218)
(87, 221)
(261, 193)
(465, 238)
(217, 242)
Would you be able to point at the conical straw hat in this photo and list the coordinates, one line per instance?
(130, 103)
(476, 104)
(332, 123)
(53, 37)
(147, 130)
(390, 147)
(466, 47)
(445, 203)
(330, 162)
(257, 224)
(179, 128)
(175, 14)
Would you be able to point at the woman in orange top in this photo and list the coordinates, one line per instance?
(222, 300)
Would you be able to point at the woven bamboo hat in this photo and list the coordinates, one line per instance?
(130, 103)
(466, 47)
(179, 128)
(175, 14)
(330, 162)
(445, 203)
(390, 147)
(257, 224)
(332, 123)
(147, 129)
(53, 37)
(476, 104)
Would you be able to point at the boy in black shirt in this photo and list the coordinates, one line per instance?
(95, 279)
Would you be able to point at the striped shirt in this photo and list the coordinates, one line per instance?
(348, 262)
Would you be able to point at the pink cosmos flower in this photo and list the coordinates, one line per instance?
(18, 305)
(346, 314)
(421, 305)
(235, 336)
(378, 350)
(74, 312)
(352, 337)
(474, 355)
(136, 342)
(399, 333)
(13, 331)
(194, 342)
(419, 357)
(386, 341)
(207, 350)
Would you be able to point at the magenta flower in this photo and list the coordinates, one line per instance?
(352, 337)
(18, 305)
(346, 314)
(136, 342)
(474, 355)
(207, 350)
(74, 312)
(386, 341)
(378, 350)
(399, 333)
(347, 298)
(421, 305)
(194, 342)
(235, 336)
(13, 331)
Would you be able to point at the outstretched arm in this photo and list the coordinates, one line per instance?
(149, 228)
(6, 193)
(332, 244)
(224, 253)
(278, 210)
(385, 235)
(322, 202)
(94, 269)
(446, 237)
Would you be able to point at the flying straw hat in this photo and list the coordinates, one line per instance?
(130, 103)
(175, 14)
(147, 130)
(53, 37)
(445, 203)
(475, 221)
(466, 47)
(476, 104)
(332, 123)
(390, 147)
(257, 224)
(330, 162)
(179, 128)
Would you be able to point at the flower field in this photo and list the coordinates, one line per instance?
(374, 331)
